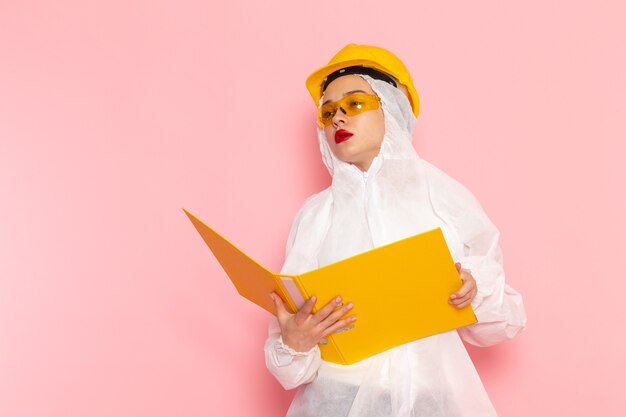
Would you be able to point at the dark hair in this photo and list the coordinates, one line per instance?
(358, 69)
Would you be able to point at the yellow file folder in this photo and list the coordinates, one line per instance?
(400, 291)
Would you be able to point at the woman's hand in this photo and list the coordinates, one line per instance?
(467, 292)
(303, 330)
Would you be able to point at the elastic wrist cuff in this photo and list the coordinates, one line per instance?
(283, 348)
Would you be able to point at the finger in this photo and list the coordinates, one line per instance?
(463, 299)
(281, 312)
(339, 325)
(306, 309)
(336, 315)
(458, 267)
(464, 290)
(327, 309)
(464, 274)
(462, 302)
(465, 303)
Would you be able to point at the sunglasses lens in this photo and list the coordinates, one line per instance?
(326, 113)
(358, 103)
(351, 105)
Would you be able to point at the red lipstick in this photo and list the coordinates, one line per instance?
(342, 135)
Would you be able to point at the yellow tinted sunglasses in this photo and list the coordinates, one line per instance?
(351, 105)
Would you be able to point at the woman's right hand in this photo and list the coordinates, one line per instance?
(303, 330)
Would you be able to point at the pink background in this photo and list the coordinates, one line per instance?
(115, 115)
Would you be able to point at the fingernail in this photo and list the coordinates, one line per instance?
(338, 299)
(453, 296)
(323, 342)
(272, 297)
(349, 306)
(353, 318)
(314, 298)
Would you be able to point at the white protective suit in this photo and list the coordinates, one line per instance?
(400, 195)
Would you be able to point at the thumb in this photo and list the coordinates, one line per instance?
(458, 267)
(280, 306)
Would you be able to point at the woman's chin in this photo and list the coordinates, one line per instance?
(346, 159)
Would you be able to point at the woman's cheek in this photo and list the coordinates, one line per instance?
(328, 135)
(330, 139)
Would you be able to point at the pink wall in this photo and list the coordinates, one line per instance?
(113, 116)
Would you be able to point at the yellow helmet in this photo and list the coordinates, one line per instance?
(368, 56)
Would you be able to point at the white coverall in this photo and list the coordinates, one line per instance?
(399, 196)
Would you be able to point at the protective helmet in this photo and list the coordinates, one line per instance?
(368, 56)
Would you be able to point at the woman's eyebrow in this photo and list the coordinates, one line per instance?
(348, 93)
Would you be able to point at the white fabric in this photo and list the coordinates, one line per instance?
(399, 196)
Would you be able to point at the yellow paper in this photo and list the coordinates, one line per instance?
(400, 291)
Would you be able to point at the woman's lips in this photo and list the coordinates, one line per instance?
(342, 135)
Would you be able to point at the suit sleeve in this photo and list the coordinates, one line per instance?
(292, 368)
(289, 367)
(498, 307)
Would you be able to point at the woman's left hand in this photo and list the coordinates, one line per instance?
(467, 292)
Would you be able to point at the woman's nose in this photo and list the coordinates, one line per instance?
(340, 116)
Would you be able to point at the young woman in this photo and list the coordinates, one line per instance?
(381, 192)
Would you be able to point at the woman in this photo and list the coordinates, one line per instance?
(382, 192)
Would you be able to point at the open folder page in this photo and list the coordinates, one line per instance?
(400, 291)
